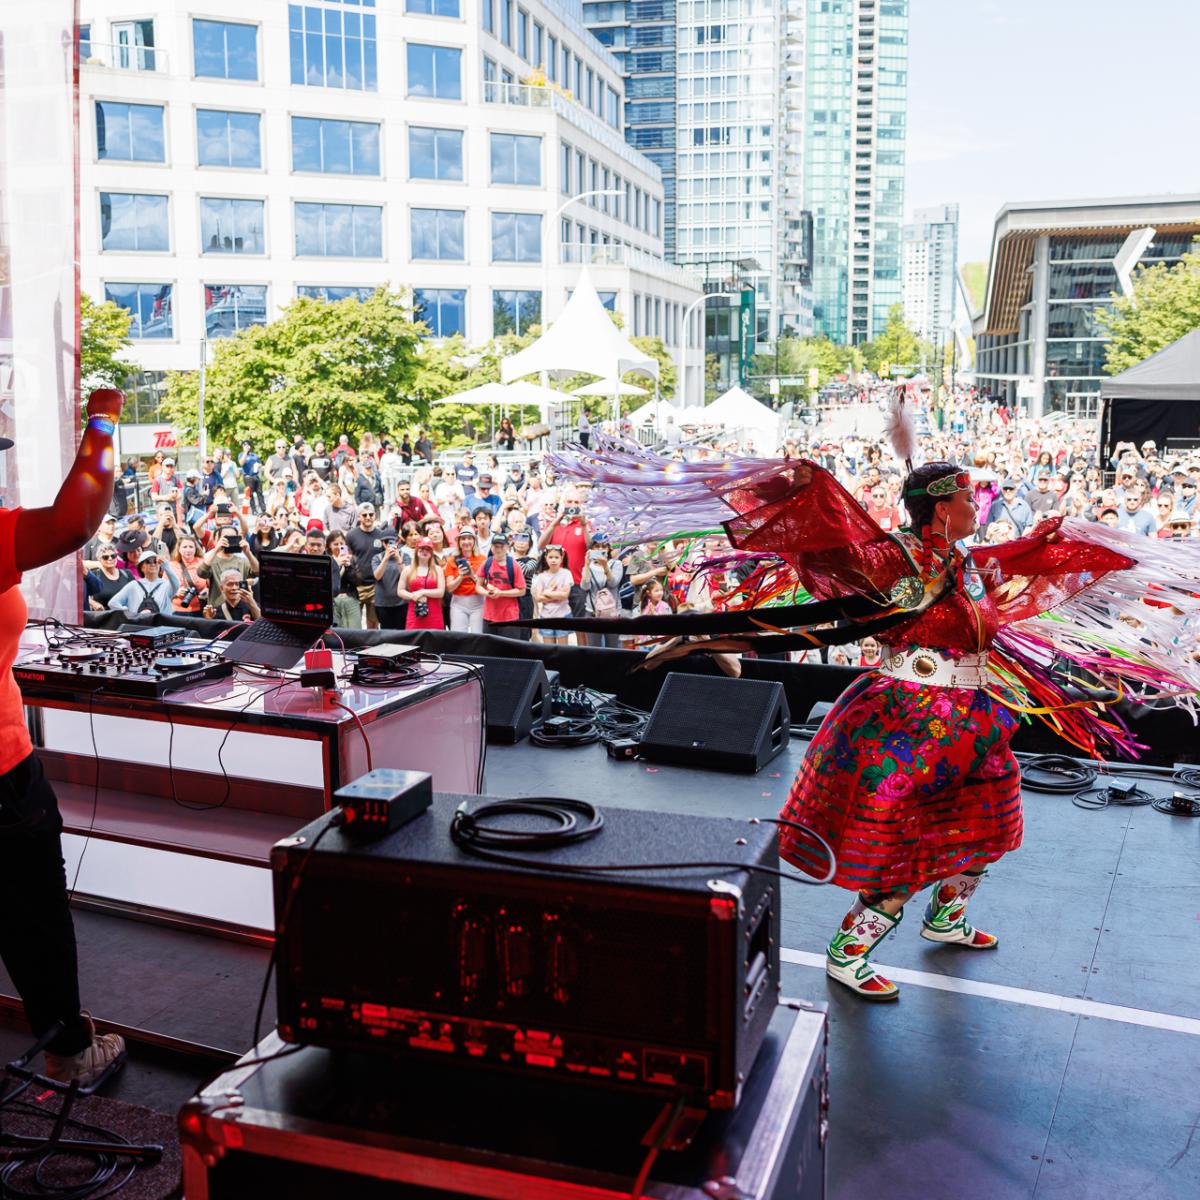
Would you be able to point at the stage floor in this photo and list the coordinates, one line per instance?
(1062, 1065)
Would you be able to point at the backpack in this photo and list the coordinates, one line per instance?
(508, 562)
(147, 605)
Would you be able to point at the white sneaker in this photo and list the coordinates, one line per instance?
(862, 929)
(90, 1063)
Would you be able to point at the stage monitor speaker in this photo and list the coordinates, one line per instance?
(518, 691)
(712, 721)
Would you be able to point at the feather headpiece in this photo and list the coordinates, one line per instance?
(900, 430)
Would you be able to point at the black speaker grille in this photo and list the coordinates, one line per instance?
(712, 713)
(510, 687)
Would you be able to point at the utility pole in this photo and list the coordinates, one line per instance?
(200, 406)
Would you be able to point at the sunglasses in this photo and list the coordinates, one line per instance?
(108, 556)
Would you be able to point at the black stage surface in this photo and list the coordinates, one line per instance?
(1062, 1065)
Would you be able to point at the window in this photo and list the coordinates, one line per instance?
(223, 50)
(130, 132)
(506, 22)
(444, 310)
(228, 139)
(515, 312)
(149, 307)
(231, 226)
(434, 8)
(438, 233)
(523, 34)
(539, 38)
(131, 222)
(133, 45)
(229, 307)
(434, 71)
(552, 58)
(588, 88)
(321, 291)
(564, 169)
(516, 158)
(335, 147)
(339, 230)
(516, 237)
(85, 43)
(333, 44)
(609, 300)
(488, 15)
(435, 153)
(579, 81)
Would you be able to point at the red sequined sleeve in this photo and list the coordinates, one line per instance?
(821, 531)
(1032, 574)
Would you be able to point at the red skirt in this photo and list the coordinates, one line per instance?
(908, 784)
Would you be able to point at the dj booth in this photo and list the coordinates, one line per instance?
(172, 802)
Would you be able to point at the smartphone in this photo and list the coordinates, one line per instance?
(461, 564)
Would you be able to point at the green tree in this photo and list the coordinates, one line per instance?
(797, 356)
(896, 345)
(321, 369)
(1164, 306)
(103, 334)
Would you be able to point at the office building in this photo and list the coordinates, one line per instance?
(931, 272)
(856, 73)
(641, 36)
(254, 152)
(1052, 266)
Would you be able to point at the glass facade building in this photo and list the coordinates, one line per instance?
(856, 96)
(930, 272)
(641, 36)
(1053, 268)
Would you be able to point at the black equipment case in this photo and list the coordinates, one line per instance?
(646, 979)
(316, 1124)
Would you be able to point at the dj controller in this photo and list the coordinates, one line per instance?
(117, 667)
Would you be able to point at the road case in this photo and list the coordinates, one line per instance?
(319, 1123)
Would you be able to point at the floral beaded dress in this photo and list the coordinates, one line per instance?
(909, 783)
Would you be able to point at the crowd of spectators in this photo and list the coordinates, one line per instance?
(460, 541)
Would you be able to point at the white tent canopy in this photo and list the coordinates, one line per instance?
(737, 410)
(610, 387)
(583, 340)
(654, 412)
(512, 395)
(1172, 373)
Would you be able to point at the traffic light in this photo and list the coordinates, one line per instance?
(885, 369)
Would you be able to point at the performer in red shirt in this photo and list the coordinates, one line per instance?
(37, 937)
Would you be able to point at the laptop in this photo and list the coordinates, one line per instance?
(295, 595)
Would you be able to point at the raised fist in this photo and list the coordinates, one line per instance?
(106, 402)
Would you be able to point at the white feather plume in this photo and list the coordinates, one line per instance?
(899, 427)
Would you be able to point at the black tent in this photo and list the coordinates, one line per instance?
(1157, 399)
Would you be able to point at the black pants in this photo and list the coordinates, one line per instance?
(37, 937)
(392, 616)
(584, 438)
(254, 484)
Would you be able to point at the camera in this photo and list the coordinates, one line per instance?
(234, 542)
(572, 510)
(188, 595)
(421, 607)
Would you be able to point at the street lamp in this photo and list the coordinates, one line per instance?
(551, 233)
(680, 370)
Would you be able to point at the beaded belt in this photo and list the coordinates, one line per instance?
(917, 664)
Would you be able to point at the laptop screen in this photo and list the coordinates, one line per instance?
(296, 587)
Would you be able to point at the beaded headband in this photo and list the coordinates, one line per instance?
(944, 485)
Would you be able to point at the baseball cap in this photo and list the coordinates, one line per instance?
(315, 525)
(1010, 482)
(192, 473)
(427, 544)
(149, 552)
(1043, 474)
(168, 462)
(499, 539)
(484, 481)
(131, 539)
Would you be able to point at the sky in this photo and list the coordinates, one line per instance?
(1049, 100)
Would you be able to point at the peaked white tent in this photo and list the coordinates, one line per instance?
(583, 340)
(610, 387)
(512, 395)
(739, 412)
(654, 412)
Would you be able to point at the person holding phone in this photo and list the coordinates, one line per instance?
(386, 566)
(237, 603)
(569, 529)
(229, 553)
(465, 584)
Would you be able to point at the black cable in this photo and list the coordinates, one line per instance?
(1178, 806)
(87, 837)
(660, 1140)
(471, 844)
(573, 731)
(1105, 797)
(1056, 774)
(469, 831)
(333, 823)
